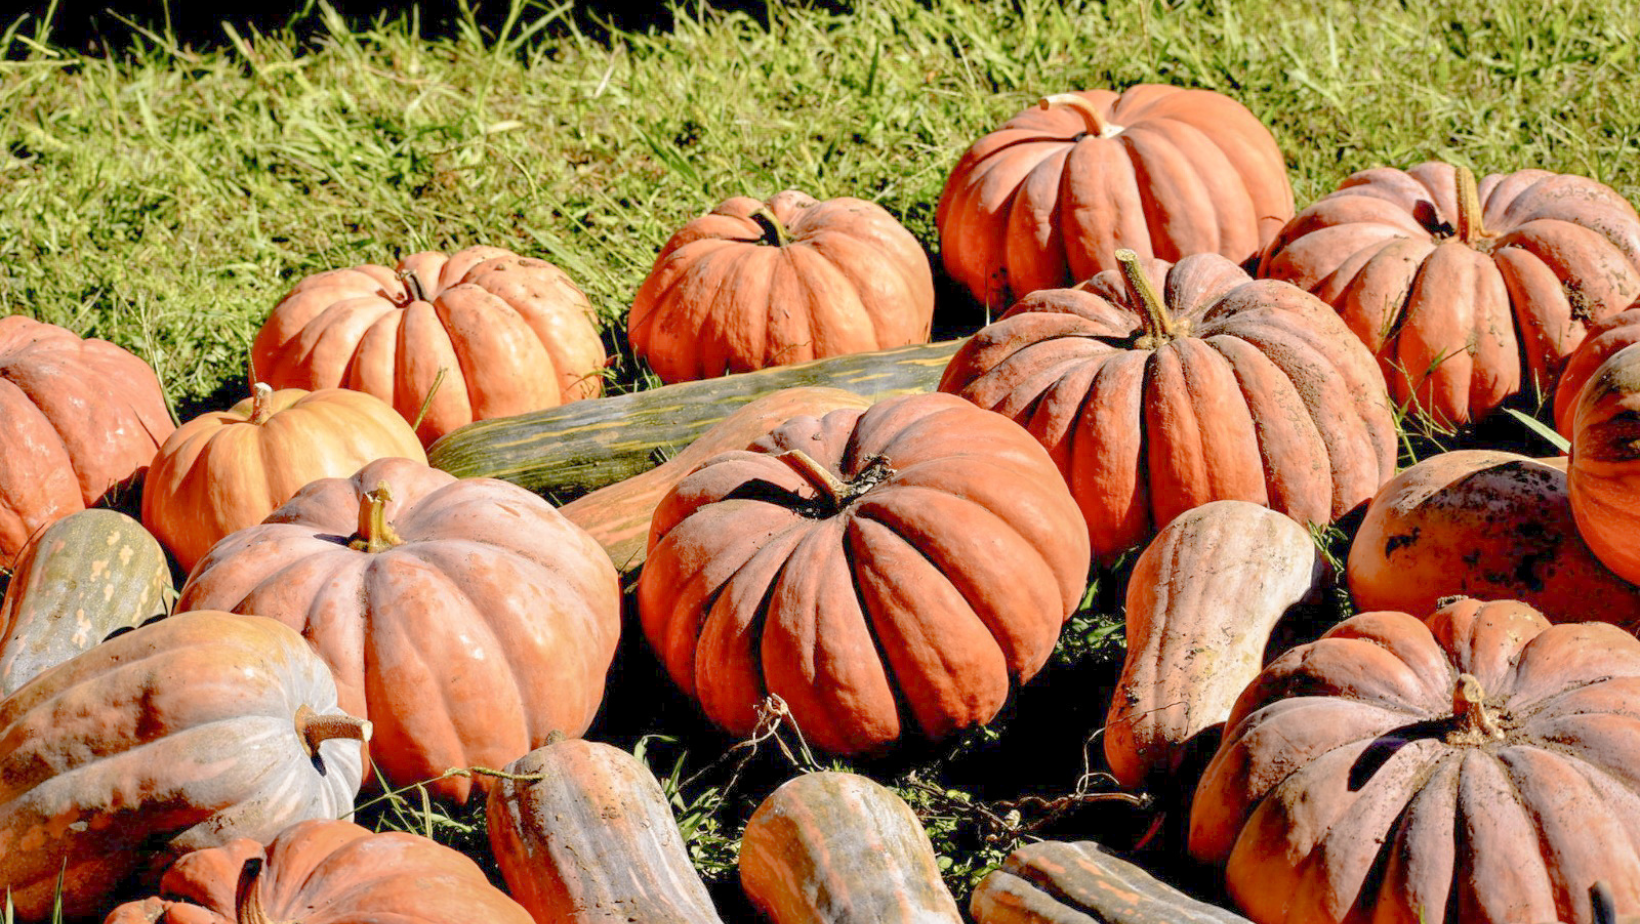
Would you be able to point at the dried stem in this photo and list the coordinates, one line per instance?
(816, 474)
(1469, 207)
(375, 533)
(774, 233)
(261, 397)
(1084, 107)
(1159, 326)
(413, 286)
(315, 729)
(1472, 721)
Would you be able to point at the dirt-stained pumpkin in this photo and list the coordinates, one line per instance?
(1603, 473)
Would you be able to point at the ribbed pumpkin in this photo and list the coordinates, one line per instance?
(1224, 389)
(77, 417)
(880, 571)
(466, 619)
(181, 735)
(325, 872)
(1055, 882)
(1475, 766)
(507, 334)
(1605, 337)
(1467, 294)
(1046, 200)
(755, 284)
(225, 470)
(1603, 475)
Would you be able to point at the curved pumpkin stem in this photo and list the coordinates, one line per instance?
(1473, 723)
(247, 898)
(315, 729)
(1159, 325)
(774, 233)
(1469, 206)
(829, 486)
(412, 284)
(1096, 123)
(261, 397)
(375, 533)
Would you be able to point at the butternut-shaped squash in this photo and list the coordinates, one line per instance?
(1054, 882)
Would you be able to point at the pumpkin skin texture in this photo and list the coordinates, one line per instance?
(1202, 601)
(1226, 389)
(512, 334)
(325, 872)
(85, 576)
(181, 735)
(837, 848)
(1047, 200)
(755, 284)
(1056, 882)
(466, 619)
(225, 470)
(1605, 338)
(1475, 766)
(1467, 294)
(591, 840)
(1484, 524)
(77, 417)
(1603, 474)
(949, 544)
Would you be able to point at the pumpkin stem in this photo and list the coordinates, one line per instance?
(247, 898)
(375, 533)
(315, 729)
(261, 397)
(1469, 207)
(1473, 722)
(816, 474)
(412, 284)
(1159, 326)
(1097, 126)
(774, 233)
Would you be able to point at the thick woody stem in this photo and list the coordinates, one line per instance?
(1159, 326)
(375, 533)
(412, 284)
(1469, 713)
(247, 898)
(261, 396)
(1469, 207)
(816, 474)
(1096, 123)
(774, 233)
(315, 729)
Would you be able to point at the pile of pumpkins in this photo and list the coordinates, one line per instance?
(880, 536)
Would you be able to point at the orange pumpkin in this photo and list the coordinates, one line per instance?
(507, 334)
(1603, 473)
(756, 284)
(1604, 338)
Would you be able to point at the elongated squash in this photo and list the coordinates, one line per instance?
(565, 452)
(1055, 882)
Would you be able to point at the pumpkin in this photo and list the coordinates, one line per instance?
(1475, 766)
(1226, 389)
(84, 577)
(755, 284)
(618, 516)
(1603, 473)
(837, 848)
(878, 570)
(466, 619)
(181, 735)
(225, 470)
(564, 453)
(1056, 882)
(1604, 338)
(325, 872)
(77, 418)
(1483, 524)
(1046, 200)
(472, 335)
(1201, 603)
(1467, 293)
(584, 835)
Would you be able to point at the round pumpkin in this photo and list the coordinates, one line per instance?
(1224, 389)
(325, 872)
(77, 418)
(483, 332)
(1603, 472)
(225, 470)
(755, 284)
(1046, 200)
(878, 570)
(1604, 338)
(1467, 293)
(1475, 766)
(466, 619)
(178, 736)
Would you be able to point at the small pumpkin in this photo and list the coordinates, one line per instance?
(1056, 882)
(756, 284)
(584, 835)
(325, 872)
(77, 418)
(225, 470)
(838, 848)
(1048, 199)
(472, 335)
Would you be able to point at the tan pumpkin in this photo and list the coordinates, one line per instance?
(472, 335)
(1055, 882)
(755, 284)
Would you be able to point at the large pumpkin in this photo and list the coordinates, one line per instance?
(77, 417)
(1476, 766)
(1467, 294)
(1224, 389)
(226, 470)
(506, 334)
(878, 570)
(1047, 200)
(467, 620)
(755, 284)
